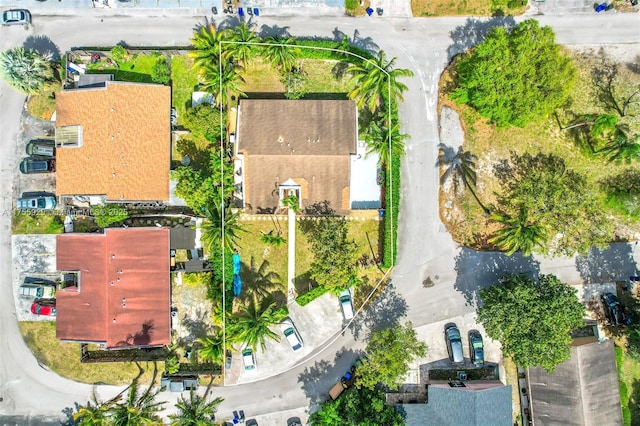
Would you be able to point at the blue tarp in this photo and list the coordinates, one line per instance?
(237, 285)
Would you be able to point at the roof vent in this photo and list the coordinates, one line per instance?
(124, 302)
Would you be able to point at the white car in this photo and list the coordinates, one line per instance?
(346, 304)
(249, 359)
(292, 335)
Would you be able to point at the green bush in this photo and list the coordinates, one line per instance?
(392, 195)
(160, 73)
(351, 4)
(118, 53)
(108, 215)
(624, 391)
(311, 295)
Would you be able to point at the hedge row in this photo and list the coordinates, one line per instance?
(311, 295)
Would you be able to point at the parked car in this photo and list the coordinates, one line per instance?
(454, 343)
(476, 348)
(37, 289)
(614, 311)
(294, 421)
(37, 202)
(41, 148)
(44, 307)
(35, 165)
(16, 17)
(346, 304)
(249, 359)
(291, 333)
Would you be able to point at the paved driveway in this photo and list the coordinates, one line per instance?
(33, 256)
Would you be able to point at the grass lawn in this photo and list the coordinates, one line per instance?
(260, 77)
(467, 8)
(629, 379)
(137, 68)
(64, 358)
(184, 81)
(466, 220)
(251, 246)
(43, 104)
(23, 223)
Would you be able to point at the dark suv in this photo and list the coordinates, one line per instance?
(33, 165)
(454, 343)
(614, 311)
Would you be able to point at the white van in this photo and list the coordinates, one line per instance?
(346, 304)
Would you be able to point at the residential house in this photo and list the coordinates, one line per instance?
(581, 391)
(113, 142)
(306, 148)
(122, 292)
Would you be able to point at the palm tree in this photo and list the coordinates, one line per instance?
(377, 139)
(462, 168)
(373, 79)
(95, 413)
(137, 409)
(212, 228)
(282, 53)
(222, 84)
(245, 48)
(518, 233)
(622, 147)
(195, 411)
(260, 280)
(207, 45)
(25, 71)
(253, 323)
(211, 346)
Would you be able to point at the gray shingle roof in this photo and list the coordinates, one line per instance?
(462, 407)
(581, 391)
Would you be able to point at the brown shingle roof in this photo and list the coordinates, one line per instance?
(124, 287)
(125, 150)
(309, 141)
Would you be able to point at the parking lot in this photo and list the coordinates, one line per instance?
(34, 256)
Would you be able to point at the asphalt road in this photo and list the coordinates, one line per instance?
(426, 249)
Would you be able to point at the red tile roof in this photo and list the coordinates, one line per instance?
(123, 292)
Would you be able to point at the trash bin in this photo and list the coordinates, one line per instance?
(381, 212)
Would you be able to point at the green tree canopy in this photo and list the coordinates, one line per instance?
(195, 411)
(532, 319)
(212, 235)
(362, 407)
(334, 254)
(24, 70)
(514, 77)
(556, 199)
(389, 353)
(253, 323)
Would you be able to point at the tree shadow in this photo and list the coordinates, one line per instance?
(313, 378)
(384, 312)
(43, 46)
(365, 43)
(615, 263)
(473, 32)
(259, 280)
(320, 208)
(273, 31)
(476, 270)
(199, 326)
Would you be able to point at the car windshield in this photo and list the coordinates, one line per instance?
(40, 203)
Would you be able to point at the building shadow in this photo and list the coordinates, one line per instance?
(477, 270)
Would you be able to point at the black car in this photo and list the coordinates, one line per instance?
(476, 348)
(614, 311)
(34, 165)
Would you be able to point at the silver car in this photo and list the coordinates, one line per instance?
(16, 17)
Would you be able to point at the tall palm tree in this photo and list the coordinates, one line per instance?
(211, 346)
(212, 228)
(260, 281)
(95, 413)
(207, 47)
(373, 79)
(195, 411)
(462, 168)
(377, 139)
(282, 53)
(138, 408)
(518, 233)
(253, 323)
(223, 85)
(245, 48)
(25, 70)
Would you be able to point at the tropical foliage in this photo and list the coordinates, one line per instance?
(515, 76)
(25, 70)
(389, 354)
(374, 80)
(282, 53)
(556, 200)
(518, 234)
(195, 411)
(532, 319)
(212, 228)
(385, 140)
(252, 324)
(357, 406)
